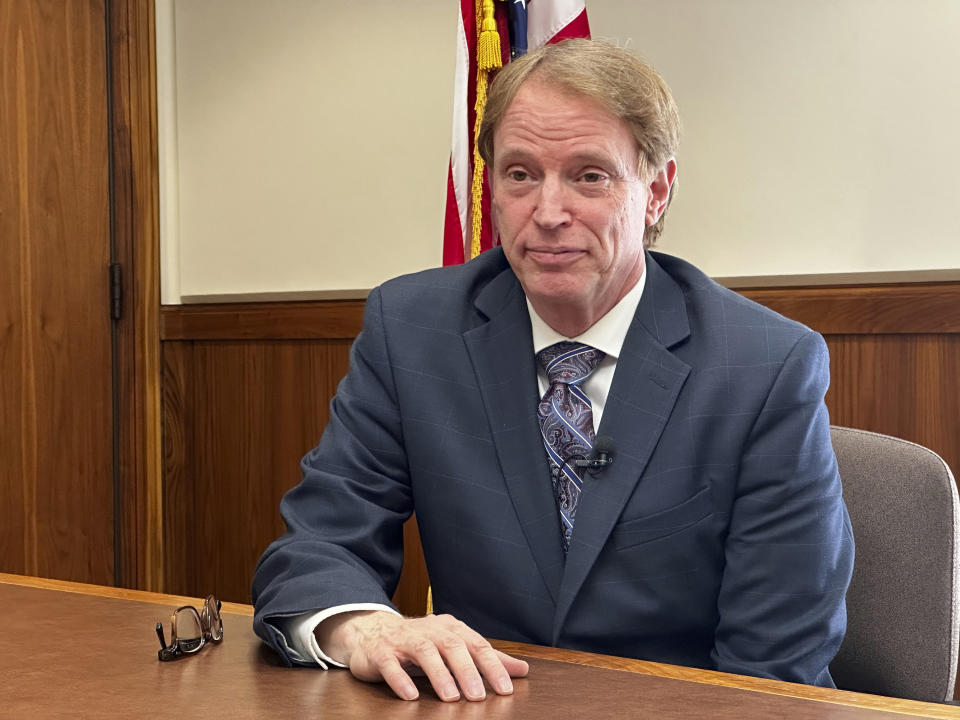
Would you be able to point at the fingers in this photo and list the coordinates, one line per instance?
(514, 666)
(470, 657)
(395, 676)
(437, 666)
(490, 665)
(454, 658)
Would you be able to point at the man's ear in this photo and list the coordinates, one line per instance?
(658, 193)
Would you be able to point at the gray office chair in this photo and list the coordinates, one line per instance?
(903, 606)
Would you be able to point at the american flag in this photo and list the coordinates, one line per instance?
(546, 21)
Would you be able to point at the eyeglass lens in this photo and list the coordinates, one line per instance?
(189, 633)
(211, 620)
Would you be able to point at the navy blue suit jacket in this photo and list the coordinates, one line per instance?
(717, 539)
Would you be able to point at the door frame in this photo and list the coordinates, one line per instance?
(135, 229)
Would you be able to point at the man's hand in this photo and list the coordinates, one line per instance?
(378, 645)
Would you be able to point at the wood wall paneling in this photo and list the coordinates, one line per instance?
(894, 356)
(55, 450)
(412, 590)
(17, 449)
(238, 416)
(321, 320)
(902, 385)
(178, 413)
(921, 308)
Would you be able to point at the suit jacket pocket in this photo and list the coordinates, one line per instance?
(664, 523)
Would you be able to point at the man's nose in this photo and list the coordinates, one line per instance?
(552, 210)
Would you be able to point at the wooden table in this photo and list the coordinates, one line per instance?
(82, 651)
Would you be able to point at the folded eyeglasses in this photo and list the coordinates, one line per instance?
(190, 629)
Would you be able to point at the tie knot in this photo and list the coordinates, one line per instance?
(569, 362)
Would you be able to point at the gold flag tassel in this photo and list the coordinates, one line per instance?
(488, 41)
(488, 58)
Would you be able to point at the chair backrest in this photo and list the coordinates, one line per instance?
(903, 606)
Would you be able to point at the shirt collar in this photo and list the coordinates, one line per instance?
(606, 334)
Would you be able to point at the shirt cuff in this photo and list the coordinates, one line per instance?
(298, 631)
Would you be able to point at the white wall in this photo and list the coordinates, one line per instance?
(820, 136)
(311, 143)
(304, 143)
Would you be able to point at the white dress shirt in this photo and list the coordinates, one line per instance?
(607, 334)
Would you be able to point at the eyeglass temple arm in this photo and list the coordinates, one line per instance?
(163, 641)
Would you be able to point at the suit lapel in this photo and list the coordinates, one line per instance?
(501, 351)
(645, 387)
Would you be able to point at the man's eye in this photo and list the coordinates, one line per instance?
(517, 175)
(593, 177)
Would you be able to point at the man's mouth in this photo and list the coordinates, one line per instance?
(555, 256)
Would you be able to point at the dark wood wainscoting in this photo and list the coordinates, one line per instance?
(237, 418)
(247, 388)
(894, 357)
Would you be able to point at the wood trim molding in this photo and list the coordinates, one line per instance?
(137, 237)
(913, 708)
(840, 279)
(856, 310)
(868, 310)
(314, 320)
(118, 593)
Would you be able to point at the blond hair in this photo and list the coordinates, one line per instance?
(619, 80)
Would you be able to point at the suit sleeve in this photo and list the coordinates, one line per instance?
(789, 551)
(344, 537)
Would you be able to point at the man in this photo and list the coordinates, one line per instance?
(717, 538)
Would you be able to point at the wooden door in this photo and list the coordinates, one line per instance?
(56, 418)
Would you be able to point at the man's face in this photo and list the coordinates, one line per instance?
(570, 205)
